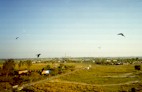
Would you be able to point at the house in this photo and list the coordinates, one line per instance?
(115, 60)
(108, 60)
(90, 66)
(87, 68)
(94, 61)
(45, 72)
(23, 72)
(15, 86)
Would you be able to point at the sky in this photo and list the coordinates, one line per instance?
(72, 28)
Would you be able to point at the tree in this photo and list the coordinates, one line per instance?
(61, 68)
(21, 63)
(48, 67)
(28, 63)
(8, 66)
(137, 67)
(137, 58)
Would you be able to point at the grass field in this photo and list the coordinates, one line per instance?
(108, 77)
(99, 78)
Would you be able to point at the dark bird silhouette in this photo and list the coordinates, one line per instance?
(17, 37)
(121, 34)
(38, 55)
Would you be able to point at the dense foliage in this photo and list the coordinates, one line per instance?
(10, 75)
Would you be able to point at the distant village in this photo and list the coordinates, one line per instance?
(96, 60)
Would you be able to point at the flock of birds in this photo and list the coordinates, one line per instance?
(38, 55)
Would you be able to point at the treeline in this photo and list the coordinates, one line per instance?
(118, 61)
(95, 60)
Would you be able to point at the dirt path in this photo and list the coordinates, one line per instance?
(48, 79)
(54, 77)
(119, 76)
(118, 84)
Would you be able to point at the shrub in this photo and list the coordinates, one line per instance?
(4, 85)
(54, 72)
(35, 76)
(137, 67)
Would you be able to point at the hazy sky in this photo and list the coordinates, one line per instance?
(77, 28)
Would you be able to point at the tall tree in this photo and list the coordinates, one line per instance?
(8, 66)
(28, 63)
(20, 64)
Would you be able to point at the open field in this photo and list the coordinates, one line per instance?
(109, 78)
(99, 78)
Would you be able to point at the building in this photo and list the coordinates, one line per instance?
(23, 72)
(45, 72)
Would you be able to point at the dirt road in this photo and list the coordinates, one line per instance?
(48, 79)
(54, 77)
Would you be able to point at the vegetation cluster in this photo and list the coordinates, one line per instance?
(10, 76)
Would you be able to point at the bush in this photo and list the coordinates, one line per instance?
(137, 67)
(54, 72)
(4, 85)
(35, 76)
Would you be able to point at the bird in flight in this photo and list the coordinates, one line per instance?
(38, 55)
(17, 37)
(121, 34)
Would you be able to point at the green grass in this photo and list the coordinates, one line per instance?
(100, 78)
(63, 87)
(125, 88)
(97, 80)
(97, 76)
